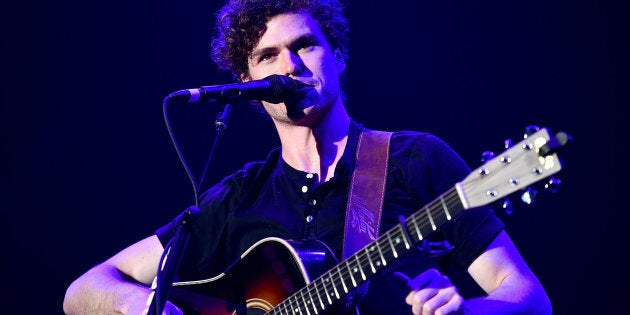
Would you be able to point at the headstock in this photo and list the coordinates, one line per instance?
(530, 161)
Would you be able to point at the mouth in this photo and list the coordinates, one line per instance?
(304, 85)
(302, 92)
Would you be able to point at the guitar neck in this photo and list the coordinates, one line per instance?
(337, 282)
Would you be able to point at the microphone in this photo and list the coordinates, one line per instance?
(273, 89)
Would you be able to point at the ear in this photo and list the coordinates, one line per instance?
(340, 61)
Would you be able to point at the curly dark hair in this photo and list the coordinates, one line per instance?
(241, 24)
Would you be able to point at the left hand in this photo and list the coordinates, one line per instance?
(432, 293)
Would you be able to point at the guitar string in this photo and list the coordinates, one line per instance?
(342, 273)
(363, 259)
(363, 256)
(420, 219)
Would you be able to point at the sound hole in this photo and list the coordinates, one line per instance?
(257, 303)
(255, 306)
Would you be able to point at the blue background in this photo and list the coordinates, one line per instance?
(87, 166)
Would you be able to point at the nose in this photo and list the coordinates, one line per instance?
(291, 63)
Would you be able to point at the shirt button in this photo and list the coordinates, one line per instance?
(304, 189)
(309, 175)
(309, 218)
(312, 202)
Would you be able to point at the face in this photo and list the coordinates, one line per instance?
(294, 45)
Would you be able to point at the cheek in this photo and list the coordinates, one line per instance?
(318, 61)
(258, 73)
(262, 70)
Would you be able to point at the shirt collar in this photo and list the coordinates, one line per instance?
(345, 164)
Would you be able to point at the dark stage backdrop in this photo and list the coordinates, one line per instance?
(87, 166)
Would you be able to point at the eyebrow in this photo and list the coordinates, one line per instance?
(255, 54)
(309, 37)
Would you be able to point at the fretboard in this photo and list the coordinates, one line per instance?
(337, 282)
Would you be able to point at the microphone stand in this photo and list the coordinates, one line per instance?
(172, 256)
(174, 250)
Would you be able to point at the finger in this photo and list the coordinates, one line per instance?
(446, 298)
(455, 305)
(416, 284)
(430, 277)
(419, 299)
(409, 299)
(401, 279)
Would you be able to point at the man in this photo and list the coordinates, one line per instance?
(300, 191)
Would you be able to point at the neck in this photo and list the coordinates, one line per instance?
(316, 149)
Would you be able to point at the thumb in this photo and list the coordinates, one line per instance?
(402, 279)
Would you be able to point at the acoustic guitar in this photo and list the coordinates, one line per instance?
(276, 276)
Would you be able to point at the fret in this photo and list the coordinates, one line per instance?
(428, 212)
(448, 214)
(310, 301)
(407, 246)
(299, 306)
(359, 266)
(285, 305)
(305, 303)
(370, 259)
(354, 282)
(332, 281)
(296, 307)
(393, 248)
(415, 224)
(326, 281)
(278, 309)
(286, 309)
(343, 283)
(384, 262)
(321, 302)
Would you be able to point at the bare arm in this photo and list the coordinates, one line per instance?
(500, 271)
(118, 285)
(511, 285)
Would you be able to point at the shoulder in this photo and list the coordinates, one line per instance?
(422, 146)
(244, 178)
(424, 163)
(417, 138)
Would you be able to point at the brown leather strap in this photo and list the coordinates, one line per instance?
(367, 190)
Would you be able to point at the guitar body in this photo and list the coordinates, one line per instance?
(268, 273)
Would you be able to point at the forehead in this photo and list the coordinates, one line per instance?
(284, 28)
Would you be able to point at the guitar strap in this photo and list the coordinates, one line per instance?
(367, 190)
(365, 200)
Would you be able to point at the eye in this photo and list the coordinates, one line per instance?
(266, 57)
(306, 45)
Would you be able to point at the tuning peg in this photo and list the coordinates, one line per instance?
(561, 139)
(530, 130)
(553, 184)
(507, 206)
(487, 156)
(529, 195)
(508, 143)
